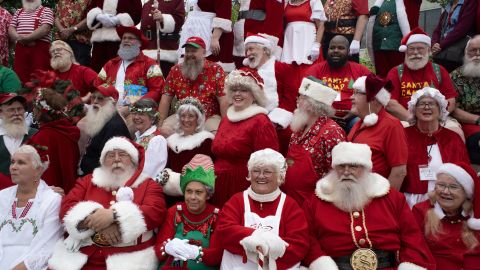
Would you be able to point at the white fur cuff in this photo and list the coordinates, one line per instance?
(62, 259)
(76, 214)
(125, 19)
(130, 219)
(281, 117)
(139, 260)
(224, 24)
(165, 55)
(91, 18)
(410, 266)
(172, 187)
(168, 24)
(323, 263)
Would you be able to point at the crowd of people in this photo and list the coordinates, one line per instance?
(229, 135)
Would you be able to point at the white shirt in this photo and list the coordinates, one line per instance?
(156, 153)
(120, 81)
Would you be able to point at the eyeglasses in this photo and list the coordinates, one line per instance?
(58, 50)
(443, 187)
(414, 49)
(356, 92)
(266, 173)
(423, 105)
(114, 154)
(349, 167)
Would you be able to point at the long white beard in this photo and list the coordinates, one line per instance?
(299, 120)
(471, 69)
(15, 130)
(350, 195)
(58, 63)
(31, 6)
(128, 53)
(191, 68)
(417, 65)
(114, 180)
(95, 121)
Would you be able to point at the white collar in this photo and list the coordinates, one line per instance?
(439, 211)
(147, 132)
(179, 143)
(270, 197)
(246, 113)
(268, 64)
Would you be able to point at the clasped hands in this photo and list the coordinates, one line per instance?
(107, 20)
(180, 249)
(102, 221)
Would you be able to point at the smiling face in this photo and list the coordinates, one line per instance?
(417, 55)
(449, 193)
(264, 179)
(142, 121)
(196, 197)
(427, 110)
(256, 54)
(359, 104)
(242, 98)
(337, 54)
(188, 122)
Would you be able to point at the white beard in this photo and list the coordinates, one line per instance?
(191, 68)
(417, 65)
(31, 6)
(58, 63)
(350, 195)
(14, 130)
(95, 121)
(114, 180)
(299, 120)
(251, 64)
(471, 68)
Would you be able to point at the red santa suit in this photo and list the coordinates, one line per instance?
(244, 214)
(238, 136)
(140, 209)
(173, 13)
(385, 223)
(82, 78)
(386, 139)
(448, 249)
(142, 78)
(105, 40)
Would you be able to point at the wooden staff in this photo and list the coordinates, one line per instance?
(155, 5)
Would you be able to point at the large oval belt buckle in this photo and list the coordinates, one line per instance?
(99, 240)
(385, 18)
(364, 259)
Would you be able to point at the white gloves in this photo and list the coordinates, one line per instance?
(251, 242)
(107, 20)
(355, 47)
(180, 249)
(315, 51)
(272, 245)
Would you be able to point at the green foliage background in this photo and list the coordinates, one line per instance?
(12, 5)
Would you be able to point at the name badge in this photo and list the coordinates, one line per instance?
(426, 173)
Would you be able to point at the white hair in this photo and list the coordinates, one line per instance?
(428, 92)
(190, 107)
(36, 160)
(268, 157)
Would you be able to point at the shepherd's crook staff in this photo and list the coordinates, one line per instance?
(155, 5)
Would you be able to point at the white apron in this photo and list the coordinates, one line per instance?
(298, 40)
(199, 24)
(252, 220)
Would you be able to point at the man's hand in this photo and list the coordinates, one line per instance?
(157, 15)
(58, 190)
(112, 234)
(436, 48)
(100, 219)
(66, 32)
(215, 46)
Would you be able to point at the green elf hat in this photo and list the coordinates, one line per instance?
(199, 169)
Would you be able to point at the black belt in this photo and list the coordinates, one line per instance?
(254, 14)
(150, 35)
(386, 259)
(341, 23)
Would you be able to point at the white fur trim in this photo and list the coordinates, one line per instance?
(227, 67)
(91, 16)
(474, 223)
(410, 266)
(359, 84)
(369, 37)
(104, 34)
(138, 260)
(317, 91)
(125, 19)
(259, 39)
(352, 153)
(110, 6)
(462, 177)
(402, 48)
(323, 263)
(419, 38)
(121, 144)
(179, 143)
(281, 117)
(370, 120)
(62, 259)
(235, 116)
(124, 194)
(383, 96)
(130, 220)
(76, 214)
(165, 55)
(168, 24)
(378, 186)
(172, 187)
(140, 179)
(224, 24)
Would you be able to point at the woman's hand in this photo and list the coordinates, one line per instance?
(157, 15)
(215, 46)
(436, 48)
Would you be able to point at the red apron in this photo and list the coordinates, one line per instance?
(301, 176)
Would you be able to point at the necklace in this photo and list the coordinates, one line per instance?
(24, 212)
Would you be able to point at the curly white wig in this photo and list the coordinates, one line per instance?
(235, 79)
(269, 157)
(428, 92)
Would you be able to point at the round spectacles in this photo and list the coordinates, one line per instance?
(423, 105)
(443, 187)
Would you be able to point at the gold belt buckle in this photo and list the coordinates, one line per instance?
(385, 18)
(99, 240)
(364, 259)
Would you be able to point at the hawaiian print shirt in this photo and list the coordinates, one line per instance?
(70, 13)
(468, 98)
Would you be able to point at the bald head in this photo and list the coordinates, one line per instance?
(339, 39)
(338, 49)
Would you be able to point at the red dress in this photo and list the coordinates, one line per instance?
(232, 147)
(448, 249)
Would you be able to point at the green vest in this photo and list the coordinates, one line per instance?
(387, 34)
(5, 155)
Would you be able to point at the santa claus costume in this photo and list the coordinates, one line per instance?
(447, 246)
(384, 225)
(250, 219)
(240, 134)
(173, 13)
(102, 20)
(309, 153)
(139, 207)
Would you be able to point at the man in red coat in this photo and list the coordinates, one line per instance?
(102, 20)
(356, 219)
(110, 215)
(281, 84)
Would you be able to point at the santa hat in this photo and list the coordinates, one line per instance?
(271, 157)
(247, 78)
(429, 92)
(466, 176)
(375, 88)
(108, 91)
(416, 35)
(352, 153)
(266, 40)
(121, 30)
(120, 143)
(314, 88)
(199, 169)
